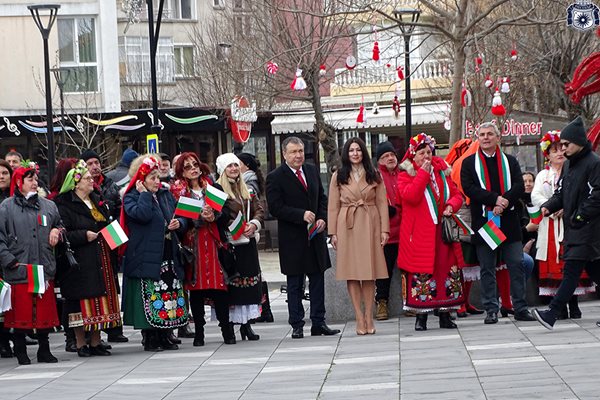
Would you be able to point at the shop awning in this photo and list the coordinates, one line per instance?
(422, 114)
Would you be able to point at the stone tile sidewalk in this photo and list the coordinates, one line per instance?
(510, 360)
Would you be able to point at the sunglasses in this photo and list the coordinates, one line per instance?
(188, 167)
(565, 144)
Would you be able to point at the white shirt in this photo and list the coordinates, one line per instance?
(296, 173)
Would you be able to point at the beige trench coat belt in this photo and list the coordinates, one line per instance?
(351, 210)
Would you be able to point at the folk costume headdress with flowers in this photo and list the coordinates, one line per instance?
(433, 195)
(74, 176)
(16, 182)
(483, 175)
(148, 165)
(548, 140)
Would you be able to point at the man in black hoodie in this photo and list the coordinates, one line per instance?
(578, 195)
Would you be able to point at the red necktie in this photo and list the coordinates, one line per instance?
(302, 181)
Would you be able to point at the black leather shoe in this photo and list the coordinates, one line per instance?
(186, 332)
(104, 345)
(446, 322)
(297, 333)
(70, 346)
(5, 350)
(474, 310)
(99, 351)
(173, 339)
(323, 330)
(491, 318)
(563, 314)
(118, 338)
(506, 311)
(84, 352)
(421, 322)
(524, 315)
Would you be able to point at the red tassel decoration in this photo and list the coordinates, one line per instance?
(361, 115)
(465, 97)
(488, 81)
(514, 55)
(505, 88)
(376, 51)
(400, 72)
(396, 106)
(586, 79)
(497, 107)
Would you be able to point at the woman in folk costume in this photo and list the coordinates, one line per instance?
(551, 228)
(29, 230)
(432, 277)
(245, 289)
(359, 227)
(89, 289)
(203, 276)
(152, 290)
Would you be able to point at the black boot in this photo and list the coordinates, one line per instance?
(247, 332)
(574, 310)
(151, 340)
(265, 315)
(20, 348)
(421, 322)
(43, 354)
(445, 321)
(70, 341)
(5, 350)
(185, 332)
(165, 343)
(228, 333)
(172, 338)
(564, 313)
(199, 336)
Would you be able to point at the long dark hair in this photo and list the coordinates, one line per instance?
(343, 174)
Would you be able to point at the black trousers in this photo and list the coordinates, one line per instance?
(221, 300)
(571, 274)
(316, 288)
(390, 251)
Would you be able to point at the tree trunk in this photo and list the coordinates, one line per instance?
(457, 80)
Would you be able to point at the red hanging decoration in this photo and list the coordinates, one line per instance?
(586, 79)
(497, 107)
(272, 68)
(465, 97)
(478, 62)
(488, 81)
(514, 55)
(376, 51)
(298, 83)
(350, 62)
(505, 87)
(322, 70)
(396, 106)
(400, 72)
(361, 115)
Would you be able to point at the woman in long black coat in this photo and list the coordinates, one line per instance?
(89, 288)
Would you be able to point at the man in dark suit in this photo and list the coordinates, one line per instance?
(493, 182)
(296, 198)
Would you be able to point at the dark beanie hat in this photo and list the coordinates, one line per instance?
(89, 153)
(128, 156)
(384, 147)
(250, 161)
(574, 132)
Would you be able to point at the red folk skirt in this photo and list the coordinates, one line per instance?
(442, 290)
(205, 272)
(551, 271)
(30, 311)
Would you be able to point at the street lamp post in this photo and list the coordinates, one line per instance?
(407, 18)
(60, 81)
(154, 34)
(45, 31)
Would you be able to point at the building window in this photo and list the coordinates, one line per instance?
(134, 60)
(177, 9)
(77, 54)
(218, 4)
(184, 61)
(242, 26)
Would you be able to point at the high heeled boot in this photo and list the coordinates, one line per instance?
(247, 332)
(445, 321)
(199, 336)
(421, 322)
(228, 333)
(266, 315)
(574, 310)
(20, 348)
(5, 349)
(165, 343)
(43, 354)
(151, 340)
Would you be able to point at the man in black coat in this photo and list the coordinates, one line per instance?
(296, 198)
(493, 182)
(578, 195)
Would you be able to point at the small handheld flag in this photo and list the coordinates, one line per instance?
(312, 230)
(188, 207)
(5, 296)
(215, 198)
(238, 226)
(114, 235)
(462, 225)
(535, 214)
(491, 234)
(35, 279)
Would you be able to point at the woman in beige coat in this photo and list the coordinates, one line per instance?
(359, 228)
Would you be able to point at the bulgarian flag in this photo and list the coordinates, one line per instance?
(215, 198)
(312, 230)
(35, 279)
(238, 226)
(114, 235)
(535, 214)
(463, 225)
(188, 207)
(492, 235)
(5, 299)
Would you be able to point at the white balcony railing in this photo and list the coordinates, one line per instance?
(381, 74)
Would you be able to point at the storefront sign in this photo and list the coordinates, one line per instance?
(510, 128)
(242, 116)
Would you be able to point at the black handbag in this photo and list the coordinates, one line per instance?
(450, 230)
(227, 259)
(187, 254)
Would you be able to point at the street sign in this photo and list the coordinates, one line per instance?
(152, 143)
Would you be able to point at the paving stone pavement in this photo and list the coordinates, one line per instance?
(510, 360)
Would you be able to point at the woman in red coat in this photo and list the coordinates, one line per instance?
(431, 279)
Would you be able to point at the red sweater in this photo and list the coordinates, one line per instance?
(390, 179)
